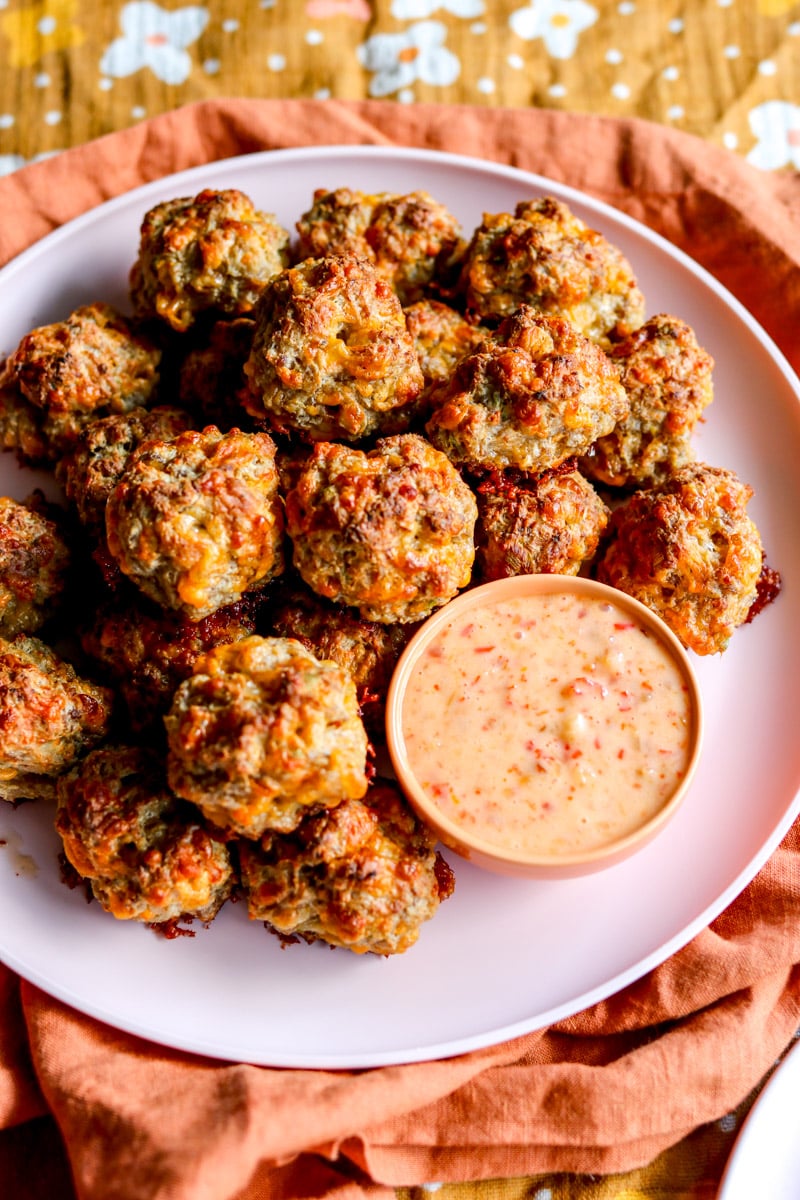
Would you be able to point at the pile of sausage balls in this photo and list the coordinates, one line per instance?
(295, 450)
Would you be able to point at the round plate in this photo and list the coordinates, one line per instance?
(502, 956)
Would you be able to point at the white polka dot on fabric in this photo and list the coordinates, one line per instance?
(211, 66)
(314, 37)
(478, 27)
(730, 140)
(731, 52)
(6, 120)
(767, 67)
(614, 57)
(105, 84)
(52, 118)
(322, 94)
(676, 26)
(276, 62)
(516, 62)
(231, 25)
(626, 8)
(670, 73)
(620, 91)
(138, 113)
(675, 112)
(724, 3)
(46, 25)
(42, 80)
(406, 96)
(794, 29)
(486, 85)
(557, 91)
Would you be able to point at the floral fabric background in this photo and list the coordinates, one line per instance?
(726, 70)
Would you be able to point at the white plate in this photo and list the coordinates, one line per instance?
(766, 1155)
(503, 956)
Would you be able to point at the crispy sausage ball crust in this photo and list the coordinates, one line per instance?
(367, 651)
(332, 357)
(668, 380)
(364, 876)
(388, 531)
(148, 651)
(73, 372)
(442, 337)
(550, 524)
(148, 855)
(196, 522)
(263, 732)
(547, 257)
(211, 253)
(49, 715)
(98, 459)
(688, 550)
(409, 239)
(34, 562)
(539, 395)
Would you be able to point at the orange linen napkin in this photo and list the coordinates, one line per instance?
(604, 1091)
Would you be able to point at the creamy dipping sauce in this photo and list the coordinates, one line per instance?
(549, 724)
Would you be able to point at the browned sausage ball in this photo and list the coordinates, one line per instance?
(213, 252)
(96, 462)
(148, 651)
(263, 732)
(212, 379)
(388, 531)
(74, 371)
(539, 395)
(20, 424)
(49, 716)
(367, 651)
(688, 550)
(332, 357)
(364, 876)
(34, 561)
(442, 337)
(411, 240)
(549, 524)
(196, 522)
(147, 855)
(667, 377)
(546, 256)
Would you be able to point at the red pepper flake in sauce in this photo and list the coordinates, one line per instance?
(587, 777)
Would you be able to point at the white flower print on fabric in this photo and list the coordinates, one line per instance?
(156, 39)
(414, 10)
(776, 125)
(399, 59)
(556, 22)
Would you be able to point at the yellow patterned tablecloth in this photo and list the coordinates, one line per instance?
(725, 70)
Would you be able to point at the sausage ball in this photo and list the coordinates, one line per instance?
(49, 716)
(147, 855)
(366, 650)
(549, 524)
(332, 357)
(442, 337)
(667, 377)
(75, 371)
(148, 651)
(411, 240)
(211, 253)
(539, 395)
(96, 462)
(20, 424)
(388, 531)
(34, 562)
(263, 732)
(364, 875)
(545, 256)
(688, 550)
(211, 379)
(196, 522)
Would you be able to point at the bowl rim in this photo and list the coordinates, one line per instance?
(461, 840)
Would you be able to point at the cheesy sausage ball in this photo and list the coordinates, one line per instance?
(147, 855)
(539, 395)
(332, 357)
(211, 379)
(545, 256)
(411, 240)
(548, 524)
(388, 531)
(212, 253)
(196, 522)
(20, 424)
(442, 337)
(364, 875)
(148, 651)
(96, 462)
(49, 716)
(667, 377)
(688, 550)
(367, 650)
(34, 562)
(263, 732)
(70, 373)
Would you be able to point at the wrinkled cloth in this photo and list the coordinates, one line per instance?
(605, 1090)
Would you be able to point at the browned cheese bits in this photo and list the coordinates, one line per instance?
(34, 563)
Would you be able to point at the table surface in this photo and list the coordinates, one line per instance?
(724, 70)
